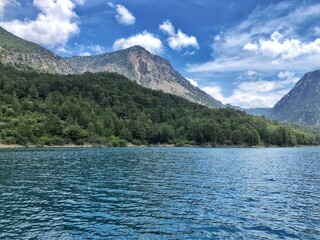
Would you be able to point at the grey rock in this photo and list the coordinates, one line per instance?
(302, 104)
(148, 70)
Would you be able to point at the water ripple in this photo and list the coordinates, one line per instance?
(160, 193)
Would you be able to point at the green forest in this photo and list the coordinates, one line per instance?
(110, 110)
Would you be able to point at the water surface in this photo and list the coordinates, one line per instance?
(160, 193)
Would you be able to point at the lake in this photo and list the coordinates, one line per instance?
(160, 193)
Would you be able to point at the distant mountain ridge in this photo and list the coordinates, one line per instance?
(135, 63)
(302, 104)
(258, 111)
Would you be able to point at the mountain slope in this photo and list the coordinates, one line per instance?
(302, 104)
(148, 70)
(18, 52)
(107, 108)
(136, 63)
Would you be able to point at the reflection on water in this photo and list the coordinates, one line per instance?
(160, 193)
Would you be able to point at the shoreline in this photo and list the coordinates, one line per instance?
(130, 145)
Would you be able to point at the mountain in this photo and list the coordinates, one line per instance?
(148, 70)
(24, 54)
(302, 104)
(135, 63)
(251, 111)
(257, 111)
(109, 109)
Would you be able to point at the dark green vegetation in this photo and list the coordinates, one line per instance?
(312, 130)
(108, 109)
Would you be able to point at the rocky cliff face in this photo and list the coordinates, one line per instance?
(302, 104)
(21, 53)
(148, 70)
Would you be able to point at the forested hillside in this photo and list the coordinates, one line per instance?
(108, 109)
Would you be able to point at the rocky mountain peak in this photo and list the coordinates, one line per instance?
(302, 104)
(137, 48)
(148, 70)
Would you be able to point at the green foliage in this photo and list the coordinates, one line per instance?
(8, 41)
(108, 109)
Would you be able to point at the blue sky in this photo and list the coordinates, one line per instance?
(247, 53)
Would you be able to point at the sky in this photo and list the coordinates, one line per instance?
(247, 53)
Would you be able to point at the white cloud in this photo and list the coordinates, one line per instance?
(145, 39)
(4, 4)
(179, 40)
(247, 99)
(189, 53)
(288, 76)
(258, 63)
(269, 40)
(286, 49)
(254, 94)
(248, 75)
(250, 47)
(251, 73)
(193, 82)
(217, 38)
(80, 2)
(216, 92)
(85, 54)
(167, 28)
(56, 23)
(96, 49)
(124, 16)
(62, 49)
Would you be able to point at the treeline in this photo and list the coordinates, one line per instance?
(108, 109)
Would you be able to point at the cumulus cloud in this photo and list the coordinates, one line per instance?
(272, 41)
(193, 82)
(56, 23)
(178, 40)
(145, 39)
(255, 94)
(247, 99)
(167, 28)
(124, 16)
(4, 4)
(287, 49)
(269, 40)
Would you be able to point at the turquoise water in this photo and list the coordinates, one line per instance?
(160, 193)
